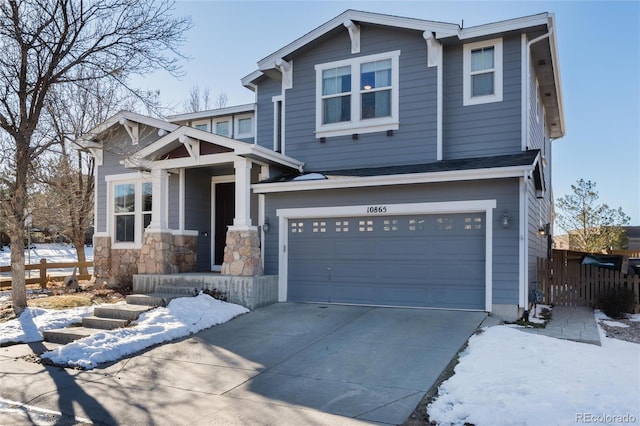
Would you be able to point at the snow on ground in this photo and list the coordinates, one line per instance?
(507, 377)
(52, 252)
(183, 316)
(28, 327)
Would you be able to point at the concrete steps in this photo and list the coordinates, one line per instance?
(110, 317)
(68, 335)
(161, 296)
(103, 318)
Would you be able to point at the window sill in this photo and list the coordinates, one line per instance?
(479, 100)
(126, 246)
(355, 128)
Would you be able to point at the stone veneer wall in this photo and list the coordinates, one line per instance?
(157, 255)
(101, 257)
(242, 254)
(109, 263)
(186, 250)
(161, 253)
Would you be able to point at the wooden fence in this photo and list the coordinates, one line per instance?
(564, 281)
(43, 277)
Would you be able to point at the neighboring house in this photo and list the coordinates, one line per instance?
(633, 237)
(566, 241)
(391, 161)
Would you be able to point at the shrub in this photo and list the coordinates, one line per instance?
(216, 294)
(124, 283)
(617, 301)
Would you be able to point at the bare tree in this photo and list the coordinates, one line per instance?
(197, 100)
(67, 173)
(201, 100)
(221, 100)
(51, 43)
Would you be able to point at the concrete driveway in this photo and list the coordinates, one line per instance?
(286, 363)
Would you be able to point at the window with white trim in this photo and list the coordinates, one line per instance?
(131, 211)
(201, 125)
(222, 128)
(482, 66)
(243, 126)
(358, 95)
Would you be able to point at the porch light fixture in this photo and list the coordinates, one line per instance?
(544, 229)
(506, 219)
(266, 225)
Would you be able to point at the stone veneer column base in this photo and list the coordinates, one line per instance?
(242, 254)
(185, 248)
(157, 254)
(102, 258)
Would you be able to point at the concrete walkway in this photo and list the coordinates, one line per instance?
(575, 323)
(285, 364)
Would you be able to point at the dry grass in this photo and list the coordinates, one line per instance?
(60, 300)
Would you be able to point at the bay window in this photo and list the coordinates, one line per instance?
(357, 95)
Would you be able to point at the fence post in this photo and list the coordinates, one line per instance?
(43, 273)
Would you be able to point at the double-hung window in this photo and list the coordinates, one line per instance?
(131, 211)
(482, 63)
(357, 95)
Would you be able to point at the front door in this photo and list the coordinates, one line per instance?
(224, 208)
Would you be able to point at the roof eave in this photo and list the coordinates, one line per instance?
(440, 28)
(400, 179)
(553, 43)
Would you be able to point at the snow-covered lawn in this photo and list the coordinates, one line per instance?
(507, 377)
(54, 253)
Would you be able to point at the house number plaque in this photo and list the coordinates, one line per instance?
(377, 209)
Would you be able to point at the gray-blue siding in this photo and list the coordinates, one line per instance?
(485, 129)
(505, 241)
(267, 89)
(468, 131)
(414, 142)
(115, 150)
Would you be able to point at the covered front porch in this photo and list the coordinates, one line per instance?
(185, 206)
(202, 188)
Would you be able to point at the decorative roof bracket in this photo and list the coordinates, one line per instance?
(434, 49)
(286, 68)
(354, 34)
(191, 145)
(131, 128)
(96, 153)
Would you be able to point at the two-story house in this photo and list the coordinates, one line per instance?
(386, 161)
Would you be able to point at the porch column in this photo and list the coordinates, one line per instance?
(242, 256)
(160, 184)
(157, 254)
(243, 193)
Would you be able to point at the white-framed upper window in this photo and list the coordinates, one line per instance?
(243, 126)
(130, 211)
(222, 127)
(482, 66)
(358, 95)
(201, 125)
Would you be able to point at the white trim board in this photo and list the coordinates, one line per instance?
(485, 206)
(413, 178)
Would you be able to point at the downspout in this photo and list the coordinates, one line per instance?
(524, 214)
